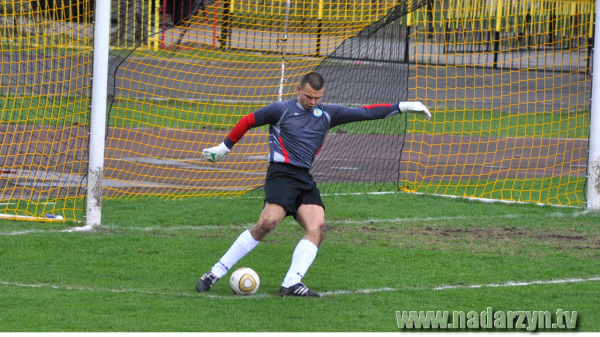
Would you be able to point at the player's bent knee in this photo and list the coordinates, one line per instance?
(317, 231)
(262, 229)
(322, 228)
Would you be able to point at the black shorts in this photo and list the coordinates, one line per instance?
(291, 186)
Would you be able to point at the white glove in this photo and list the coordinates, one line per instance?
(415, 107)
(216, 153)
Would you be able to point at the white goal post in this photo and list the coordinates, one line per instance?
(98, 114)
(593, 182)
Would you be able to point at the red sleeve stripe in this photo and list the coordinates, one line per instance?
(318, 150)
(376, 106)
(241, 127)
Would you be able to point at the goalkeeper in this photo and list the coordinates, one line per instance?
(297, 130)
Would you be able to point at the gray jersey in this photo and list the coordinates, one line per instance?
(296, 134)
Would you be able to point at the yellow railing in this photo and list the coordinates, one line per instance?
(138, 23)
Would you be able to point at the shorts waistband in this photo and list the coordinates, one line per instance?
(290, 167)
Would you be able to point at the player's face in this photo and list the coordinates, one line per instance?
(309, 97)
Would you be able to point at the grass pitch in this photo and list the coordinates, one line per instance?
(381, 254)
(182, 114)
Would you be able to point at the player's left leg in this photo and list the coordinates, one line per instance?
(312, 219)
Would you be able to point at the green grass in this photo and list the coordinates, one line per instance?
(507, 124)
(45, 110)
(137, 272)
(564, 191)
(56, 44)
(177, 114)
(42, 110)
(567, 191)
(69, 208)
(480, 123)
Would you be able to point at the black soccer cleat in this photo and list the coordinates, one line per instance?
(297, 289)
(206, 282)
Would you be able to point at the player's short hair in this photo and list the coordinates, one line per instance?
(315, 80)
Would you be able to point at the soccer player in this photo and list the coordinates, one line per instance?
(297, 130)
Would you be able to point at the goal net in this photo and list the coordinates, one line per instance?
(217, 61)
(508, 83)
(45, 82)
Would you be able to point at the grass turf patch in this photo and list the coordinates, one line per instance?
(137, 271)
(183, 114)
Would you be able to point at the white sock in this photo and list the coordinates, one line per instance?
(303, 257)
(242, 246)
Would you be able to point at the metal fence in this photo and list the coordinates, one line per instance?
(467, 25)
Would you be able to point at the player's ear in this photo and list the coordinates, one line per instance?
(299, 88)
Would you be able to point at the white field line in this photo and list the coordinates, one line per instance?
(471, 286)
(290, 222)
(326, 293)
(32, 231)
(484, 200)
(519, 284)
(124, 291)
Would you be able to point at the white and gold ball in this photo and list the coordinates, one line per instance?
(244, 281)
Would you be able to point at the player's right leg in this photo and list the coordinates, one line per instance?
(270, 218)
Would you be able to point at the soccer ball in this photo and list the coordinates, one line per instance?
(244, 281)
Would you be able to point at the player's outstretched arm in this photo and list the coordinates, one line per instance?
(415, 107)
(344, 115)
(269, 114)
(216, 153)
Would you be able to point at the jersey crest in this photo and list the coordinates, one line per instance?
(317, 112)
